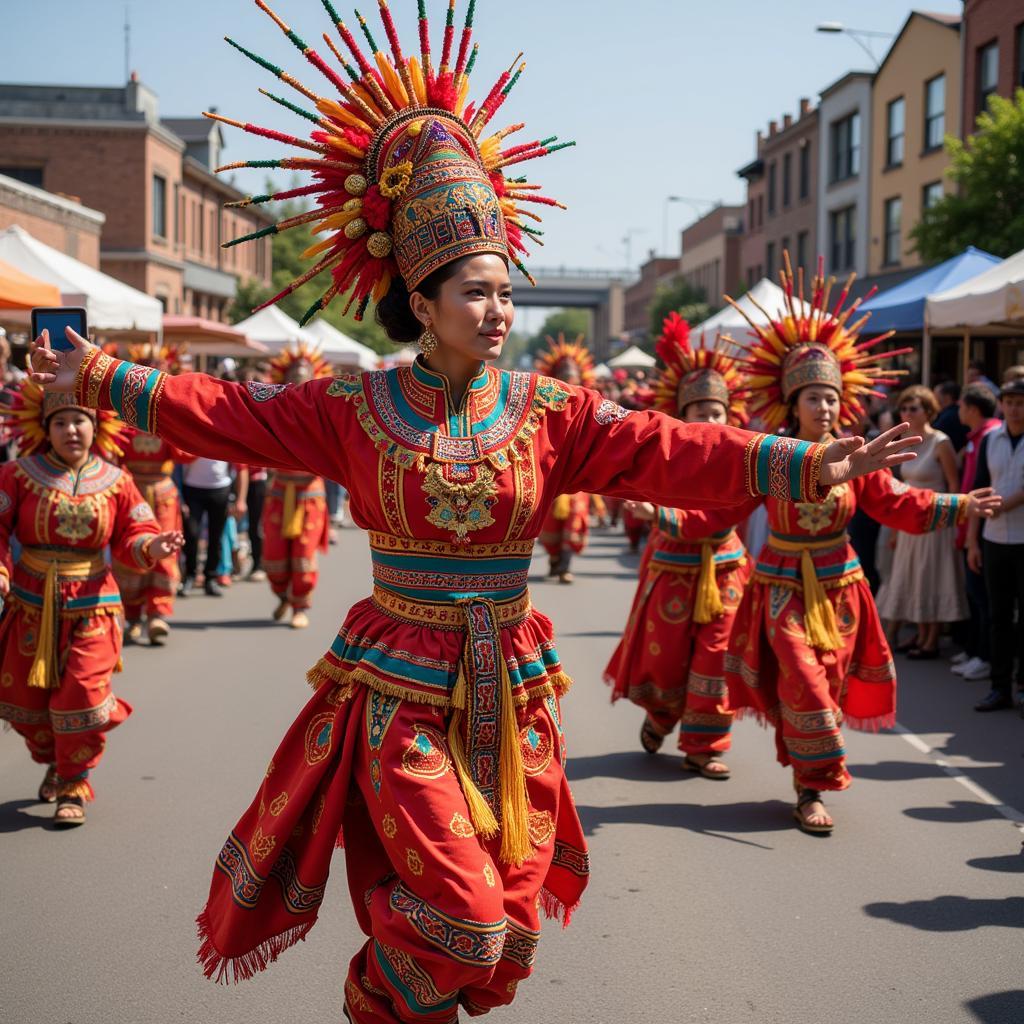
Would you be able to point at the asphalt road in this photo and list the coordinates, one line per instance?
(705, 905)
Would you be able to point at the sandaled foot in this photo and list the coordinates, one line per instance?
(650, 739)
(565, 577)
(70, 812)
(133, 634)
(300, 620)
(281, 610)
(48, 787)
(810, 814)
(710, 766)
(158, 630)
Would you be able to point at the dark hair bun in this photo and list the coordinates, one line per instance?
(395, 315)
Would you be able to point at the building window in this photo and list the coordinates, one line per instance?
(893, 219)
(931, 194)
(934, 112)
(1019, 79)
(760, 211)
(772, 168)
(988, 73)
(750, 215)
(842, 238)
(895, 114)
(159, 206)
(787, 174)
(846, 148)
(26, 175)
(805, 170)
(801, 249)
(769, 259)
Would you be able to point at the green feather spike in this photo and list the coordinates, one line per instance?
(543, 142)
(530, 231)
(311, 312)
(561, 145)
(449, 18)
(331, 12)
(470, 13)
(512, 81)
(292, 107)
(517, 181)
(262, 233)
(422, 5)
(374, 49)
(263, 62)
(472, 60)
(297, 40)
(252, 163)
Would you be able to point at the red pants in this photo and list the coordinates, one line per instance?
(64, 726)
(151, 594)
(291, 563)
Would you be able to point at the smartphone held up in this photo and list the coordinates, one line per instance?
(55, 319)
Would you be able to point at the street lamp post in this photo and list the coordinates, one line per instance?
(858, 35)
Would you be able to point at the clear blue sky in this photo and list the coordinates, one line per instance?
(662, 96)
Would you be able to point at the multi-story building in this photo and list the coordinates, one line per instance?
(915, 103)
(782, 192)
(151, 178)
(710, 257)
(637, 298)
(844, 178)
(993, 54)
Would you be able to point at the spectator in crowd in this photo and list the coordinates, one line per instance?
(206, 492)
(254, 497)
(978, 414)
(926, 582)
(948, 420)
(998, 549)
(976, 375)
(1015, 372)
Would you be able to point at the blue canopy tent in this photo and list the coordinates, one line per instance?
(902, 308)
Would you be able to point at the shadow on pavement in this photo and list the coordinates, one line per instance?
(595, 632)
(221, 624)
(14, 819)
(956, 812)
(897, 771)
(723, 820)
(1011, 863)
(952, 913)
(633, 766)
(998, 1008)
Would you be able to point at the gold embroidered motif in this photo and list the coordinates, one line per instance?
(414, 861)
(319, 813)
(489, 875)
(461, 827)
(815, 518)
(75, 519)
(278, 804)
(262, 845)
(460, 507)
(389, 826)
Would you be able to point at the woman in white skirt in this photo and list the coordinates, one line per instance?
(925, 584)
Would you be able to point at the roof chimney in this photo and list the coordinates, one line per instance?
(787, 121)
(773, 127)
(805, 106)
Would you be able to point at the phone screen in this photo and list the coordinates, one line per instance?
(55, 320)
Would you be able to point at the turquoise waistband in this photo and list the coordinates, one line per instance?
(429, 578)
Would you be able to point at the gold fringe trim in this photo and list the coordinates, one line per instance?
(837, 584)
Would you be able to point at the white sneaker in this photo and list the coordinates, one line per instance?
(976, 669)
(959, 659)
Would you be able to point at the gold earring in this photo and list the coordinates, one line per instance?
(428, 342)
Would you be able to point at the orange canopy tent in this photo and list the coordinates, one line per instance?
(19, 291)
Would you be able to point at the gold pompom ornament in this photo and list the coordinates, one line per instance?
(379, 245)
(355, 185)
(356, 228)
(352, 204)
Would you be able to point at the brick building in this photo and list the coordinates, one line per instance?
(782, 193)
(151, 178)
(656, 271)
(711, 253)
(993, 54)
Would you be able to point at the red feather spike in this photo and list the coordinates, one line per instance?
(449, 37)
(467, 36)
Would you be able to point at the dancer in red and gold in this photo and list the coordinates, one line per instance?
(567, 525)
(670, 661)
(149, 596)
(434, 737)
(295, 522)
(60, 640)
(807, 651)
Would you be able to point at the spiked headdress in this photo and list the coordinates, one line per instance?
(803, 345)
(164, 357)
(559, 352)
(298, 353)
(405, 177)
(32, 408)
(696, 374)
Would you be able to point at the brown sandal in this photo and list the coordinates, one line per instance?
(810, 796)
(48, 787)
(76, 804)
(692, 765)
(650, 739)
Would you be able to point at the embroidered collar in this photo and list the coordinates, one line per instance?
(48, 472)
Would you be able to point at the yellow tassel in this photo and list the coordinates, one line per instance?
(709, 600)
(819, 615)
(43, 673)
(292, 518)
(515, 833)
(480, 814)
(560, 509)
(458, 697)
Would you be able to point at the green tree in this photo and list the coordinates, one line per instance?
(570, 322)
(678, 296)
(987, 209)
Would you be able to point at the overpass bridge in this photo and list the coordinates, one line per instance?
(600, 291)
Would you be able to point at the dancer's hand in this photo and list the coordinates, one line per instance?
(55, 369)
(5, 584)
(642, 510)
(165, 544)
(850, 457)
(984, 503)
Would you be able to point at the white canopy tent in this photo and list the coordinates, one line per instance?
(341, 350)
(995, 296)
(110, 305)
(766, 294)
(275, 330)
(632, 359)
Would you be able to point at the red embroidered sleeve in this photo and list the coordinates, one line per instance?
(911, 509)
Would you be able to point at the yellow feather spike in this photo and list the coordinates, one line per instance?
(337, 111)
(392, 82)
(419, 86)
(318, 247)
(336, 142)
(463, 93)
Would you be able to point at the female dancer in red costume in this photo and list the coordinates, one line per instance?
(670, 660)
(807, 650)
(60, 639)
(434, 739)
(295, 523)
